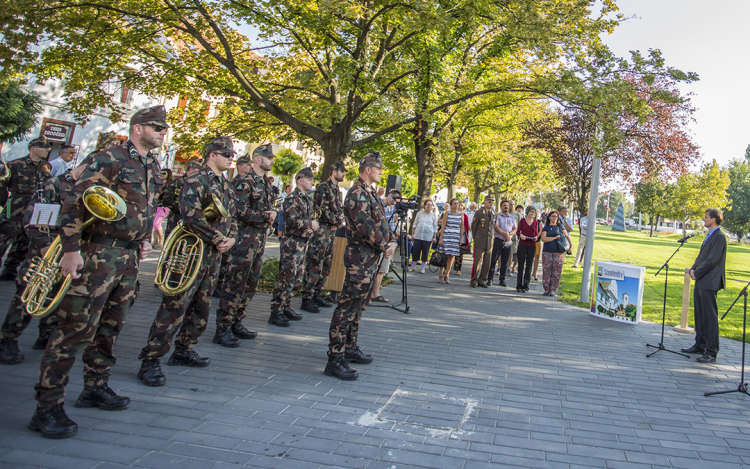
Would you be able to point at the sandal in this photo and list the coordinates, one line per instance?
(379, 299)
(440, 279)
(447, 280)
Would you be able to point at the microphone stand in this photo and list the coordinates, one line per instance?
(661, 347)
(742, 387)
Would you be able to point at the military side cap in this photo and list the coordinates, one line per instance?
(338, 166)
(40, 142)
(244, 159)
(372, 159)
(264, 150)
(156, 115)
(220, 144)
(105, 139)
(195, 164)
(304, 173)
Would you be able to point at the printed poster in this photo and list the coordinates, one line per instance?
(618, 292)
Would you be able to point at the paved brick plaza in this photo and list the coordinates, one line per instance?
(470, 379)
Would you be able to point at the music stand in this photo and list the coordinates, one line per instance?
(661, 347)
(742, 387)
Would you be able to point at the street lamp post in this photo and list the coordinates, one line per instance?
(591, 227)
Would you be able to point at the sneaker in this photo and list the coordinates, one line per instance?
(423, 270)
(412, 269)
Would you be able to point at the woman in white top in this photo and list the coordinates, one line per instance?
(423, 232)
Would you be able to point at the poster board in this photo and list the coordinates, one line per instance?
(618, 292)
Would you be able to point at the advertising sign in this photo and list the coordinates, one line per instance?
(57, 131)
(618, 295)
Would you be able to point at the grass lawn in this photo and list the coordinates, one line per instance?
(636, 248)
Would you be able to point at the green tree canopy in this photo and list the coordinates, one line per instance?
(737, 217)
(286, 164)
(19, 110)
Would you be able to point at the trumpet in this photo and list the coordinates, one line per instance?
(182, 254)
(44, 273)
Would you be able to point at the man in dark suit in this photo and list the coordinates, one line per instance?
(708, 273)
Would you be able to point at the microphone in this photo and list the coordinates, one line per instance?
(686, 238)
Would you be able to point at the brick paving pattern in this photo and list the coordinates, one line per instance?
(470, 379)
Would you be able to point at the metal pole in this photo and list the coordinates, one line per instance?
(591, 229)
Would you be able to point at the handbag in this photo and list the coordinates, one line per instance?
(466, 249)
(438, 258)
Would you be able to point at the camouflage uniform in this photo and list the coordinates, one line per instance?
(327, 199)
(298, 218)
(17, 190)
(92, 313)
(170, 198)
(254, 198)
(368, 235)
(188, 311)
(54, 191)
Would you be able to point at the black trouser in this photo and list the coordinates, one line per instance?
(501, 250)
(525, 263)
(706, 320)
(420, 249)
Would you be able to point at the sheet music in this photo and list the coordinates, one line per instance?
(45, 214)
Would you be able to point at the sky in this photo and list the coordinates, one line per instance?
(710, 38)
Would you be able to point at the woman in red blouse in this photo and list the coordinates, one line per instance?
(528, 234)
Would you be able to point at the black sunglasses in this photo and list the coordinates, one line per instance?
(225, 155)
(157, 128)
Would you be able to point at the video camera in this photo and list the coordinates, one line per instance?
(402, 205)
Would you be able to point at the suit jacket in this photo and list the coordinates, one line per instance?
(710, 265)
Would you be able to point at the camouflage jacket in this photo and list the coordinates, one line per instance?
(196, 195)
(298, 214)
(328, 200)
(18, 189)
(366, 224)
(54, 191)
(254, 198)
(170, 196)
(135, 178)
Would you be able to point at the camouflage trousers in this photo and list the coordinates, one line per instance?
(361, 263)
(223, 270)
(242, 277)
(187, 312)
(18, 241)
(291, 268)
(89, 318)
(17, 319)
(318, 263)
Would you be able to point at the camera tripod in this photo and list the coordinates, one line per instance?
(403, 245)
(742, 387)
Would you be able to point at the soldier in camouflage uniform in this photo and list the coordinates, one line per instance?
(26, 175)
(299, 226)
(327, 200)
(188, 311)
(368, 236)
(170, 196)
(254, 215)
(103, 262)
(54, 191)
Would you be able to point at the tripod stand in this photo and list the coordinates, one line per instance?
(742, 387)
(403, 244)
(661, 347)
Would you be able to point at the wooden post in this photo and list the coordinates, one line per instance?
(683, 327)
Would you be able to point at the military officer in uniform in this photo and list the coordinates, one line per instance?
(103, 262)
(55, 190)
(26, 174)
(188, 311)
(299, 225)
(255, 213)
(368, 235)
(170, 196)
(482, 232)
(327, 201)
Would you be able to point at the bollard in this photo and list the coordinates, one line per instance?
(683, 327)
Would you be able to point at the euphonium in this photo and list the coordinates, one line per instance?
(182, 255)
(44, 273)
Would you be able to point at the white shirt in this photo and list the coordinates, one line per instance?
(425, 225)
(59, 166)
(584, 222)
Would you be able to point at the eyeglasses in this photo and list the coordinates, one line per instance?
(157, 128)
(225, 154)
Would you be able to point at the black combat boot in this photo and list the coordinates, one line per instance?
(241, 332)
(188, 358)
(322, 302)
(337, 366)
(309, 305)
(53, 422)
(9, 353)
(355, 355)
(225, 338)
(278, 319)
(102, 397)
(335, 297)
(151, 373)
(292, 315)
(41, 341)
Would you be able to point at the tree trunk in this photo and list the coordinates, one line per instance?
(651, 225)
(684, 225)
(336, 147)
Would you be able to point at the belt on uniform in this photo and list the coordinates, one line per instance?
(252, 228)
(110, 242)
(299, 238)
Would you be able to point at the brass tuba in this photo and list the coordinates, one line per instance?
(182, 255)
(44, 273)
